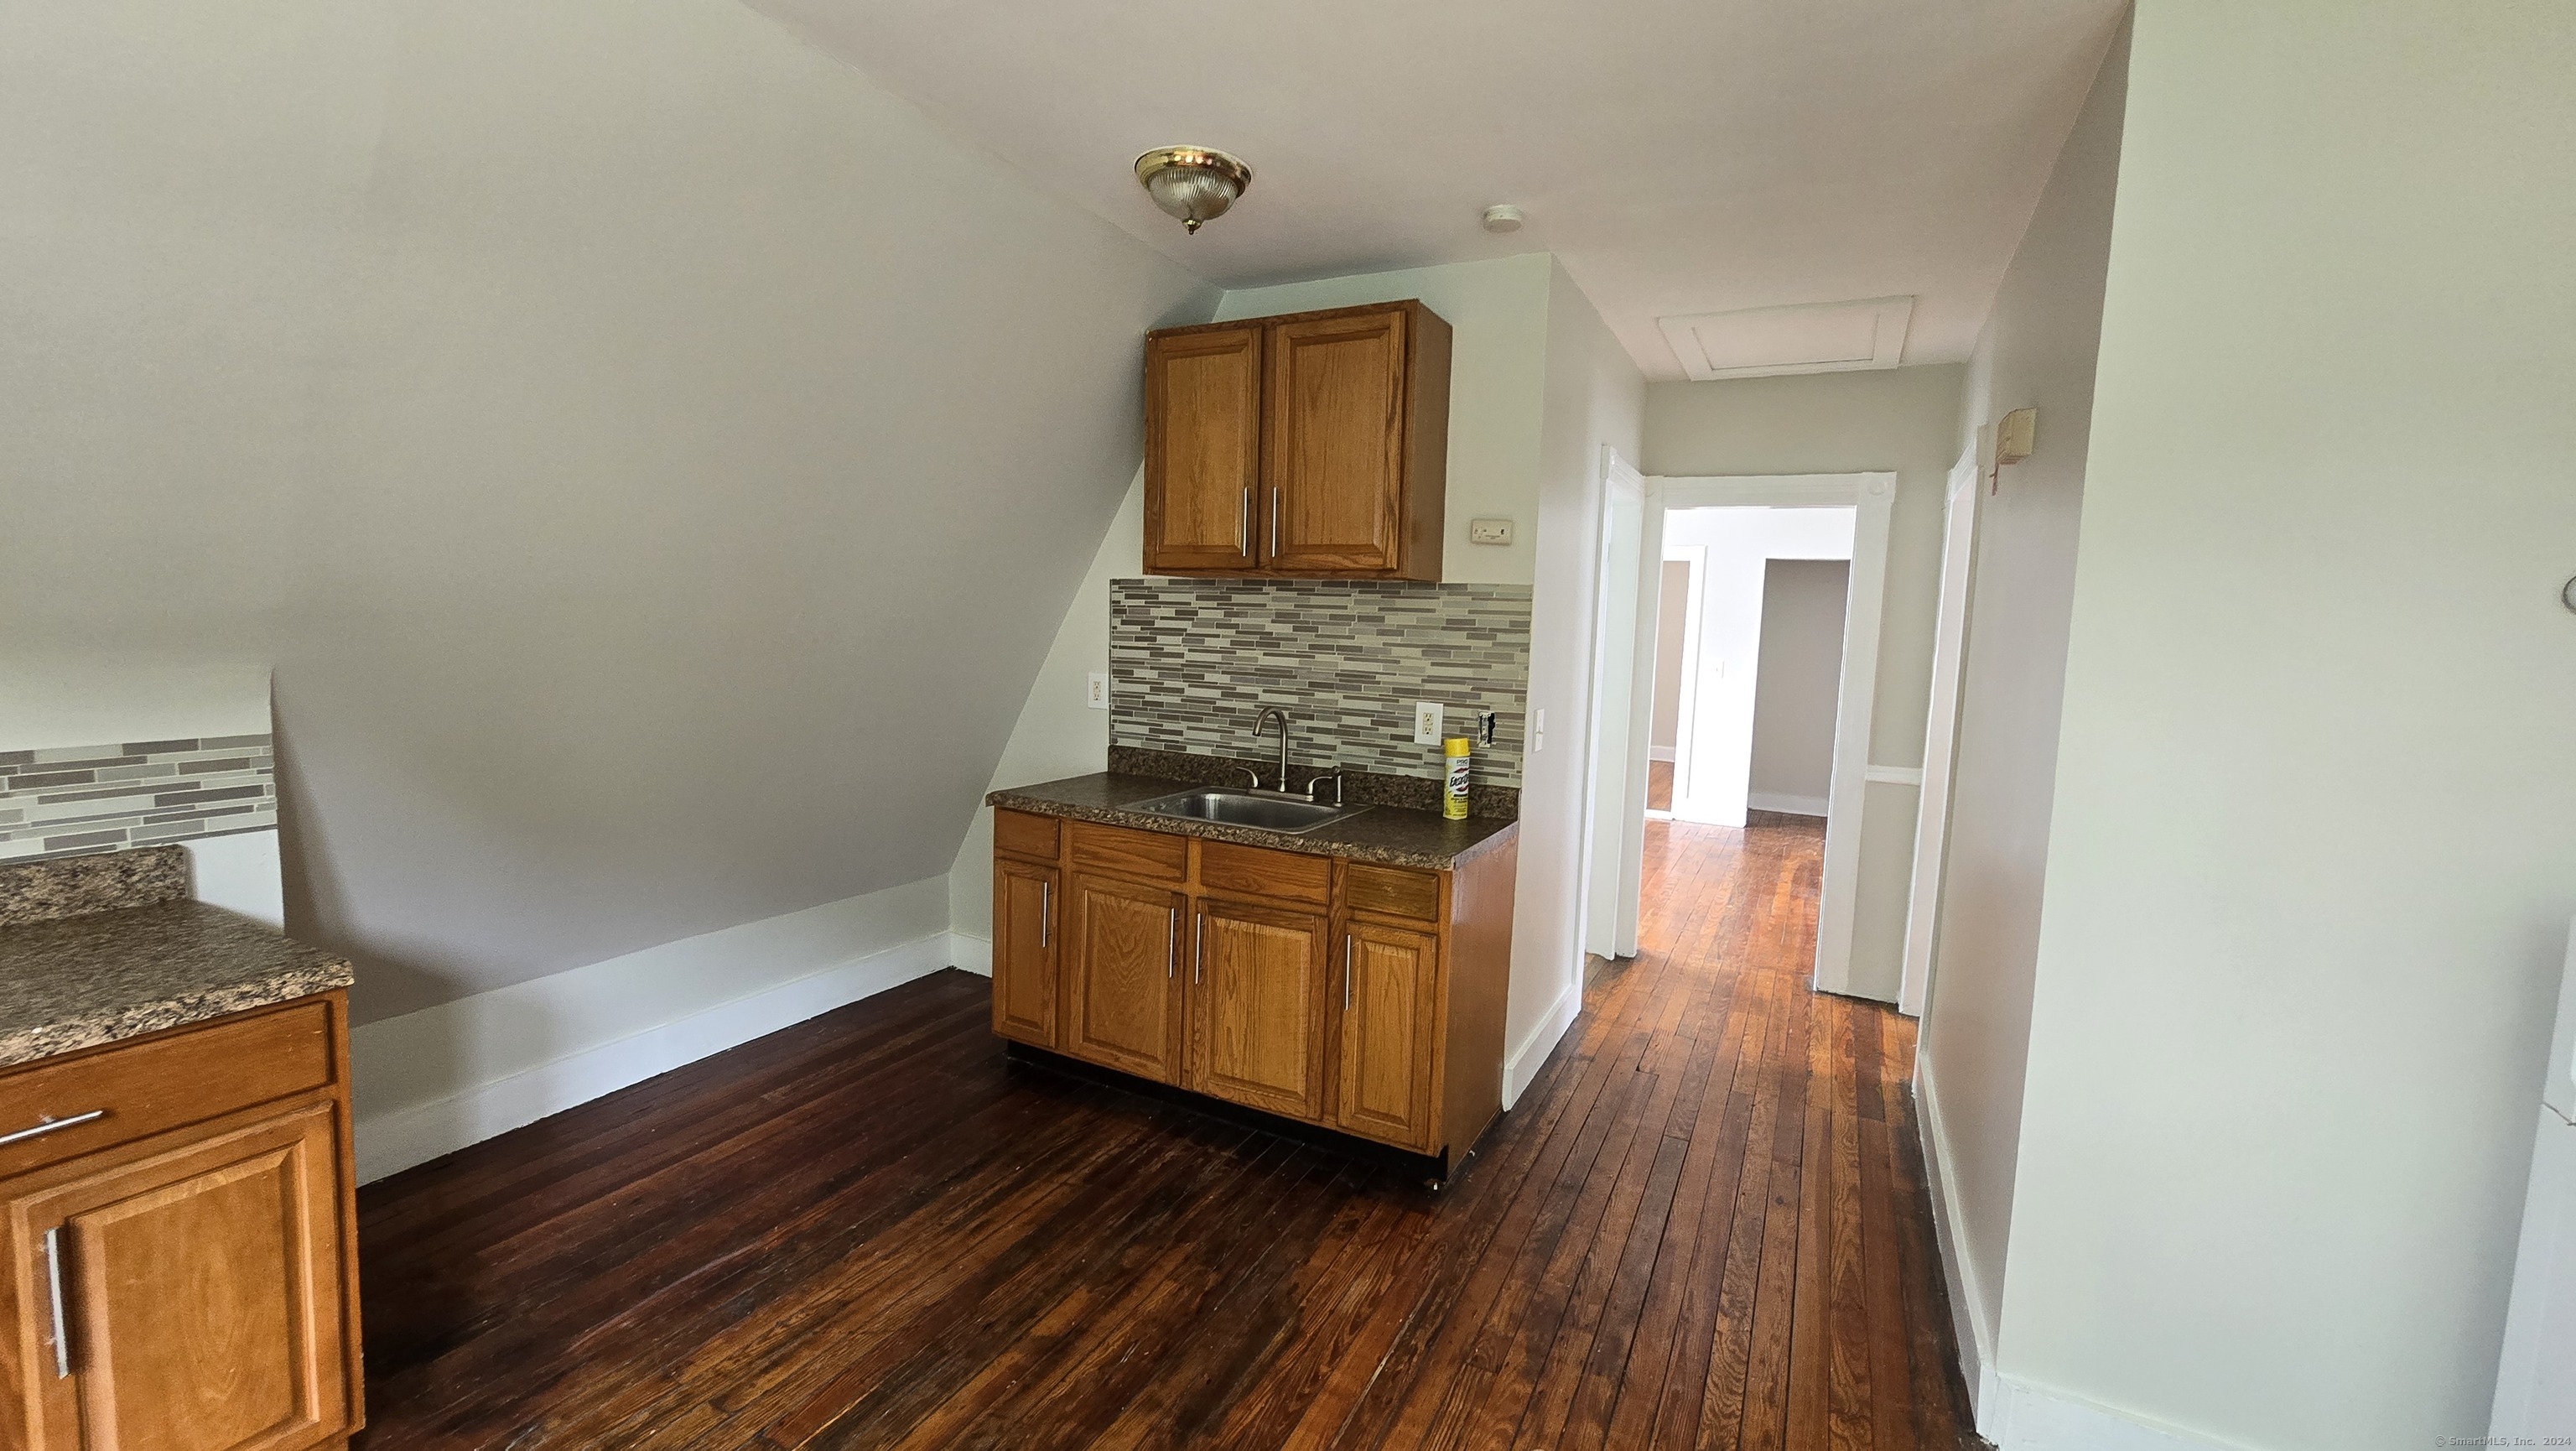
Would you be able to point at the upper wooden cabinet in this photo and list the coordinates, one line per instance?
(1313, 445)
(1202, 448)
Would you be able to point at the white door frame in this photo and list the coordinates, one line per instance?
(1606, 919)
(1941, 729)
(1693, 558)
(1872, 497)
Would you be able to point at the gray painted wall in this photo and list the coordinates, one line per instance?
(2038, 351)
(644, 447)
(1797, 678)
(2313, 855)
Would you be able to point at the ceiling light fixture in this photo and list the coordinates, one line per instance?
(1504, 218)
(1193, 183)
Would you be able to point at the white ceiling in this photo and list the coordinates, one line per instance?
(1680, 156)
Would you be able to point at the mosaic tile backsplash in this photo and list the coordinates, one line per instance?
(106, 798)
(1193, 661)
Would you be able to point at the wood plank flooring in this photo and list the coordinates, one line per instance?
(1703, 1226)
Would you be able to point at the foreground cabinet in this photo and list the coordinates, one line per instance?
(1360, 998)
(183, 1265)
(1312, 445)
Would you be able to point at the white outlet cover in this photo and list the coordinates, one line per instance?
(1489, 531)
(1426, 722)
(1097, 695)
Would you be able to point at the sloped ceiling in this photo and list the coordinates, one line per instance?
(1680, 156)
(654, 458)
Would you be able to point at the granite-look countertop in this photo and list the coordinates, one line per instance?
(1387, 835)
(102, 948)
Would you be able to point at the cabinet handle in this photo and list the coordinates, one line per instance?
(1274, 523)
(1346, 972)
(1046, 904)
(1243, 525)
(54, 1282)
(1172, 945)
(53, 1126)
(1198, 949)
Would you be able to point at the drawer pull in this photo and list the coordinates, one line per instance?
(54, 1282)
(53, 1125)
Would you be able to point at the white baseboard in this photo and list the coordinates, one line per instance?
(1792, 805)
(968, 951)
(2043, 1418)
(431, 1082)
(1531, 1055)
(1663, 753)
(1967, 1312)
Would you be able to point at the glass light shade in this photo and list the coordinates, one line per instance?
(1193, 183)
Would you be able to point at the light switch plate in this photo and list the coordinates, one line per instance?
(1097, 696)
(1489, 531)
(1426, 722)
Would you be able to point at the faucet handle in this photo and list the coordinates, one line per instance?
(1251, 776)
(1314, 788)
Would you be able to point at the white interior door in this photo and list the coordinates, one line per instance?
(1941, 731)
(1614, 671)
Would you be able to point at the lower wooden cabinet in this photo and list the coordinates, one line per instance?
(189, 1290)
(1123, 975)
(1024, 951)
(1389, 983)
(1363, 998)
(1257, 1007)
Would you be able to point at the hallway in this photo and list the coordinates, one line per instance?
(1702, 1226)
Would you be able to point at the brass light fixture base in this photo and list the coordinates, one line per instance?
(1193, 183)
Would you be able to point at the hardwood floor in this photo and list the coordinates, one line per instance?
(1703, 1226)
(1659, 785)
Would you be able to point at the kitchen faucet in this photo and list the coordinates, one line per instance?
(1260, 723)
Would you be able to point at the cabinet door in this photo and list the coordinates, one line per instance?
(1124, 977)
(1024, 952)
(1202, 449)
(1333, 449)
(200, 1296)
(1389, 983)
(1257, 1007)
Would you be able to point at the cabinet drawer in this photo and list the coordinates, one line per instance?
(1251, 870)
(1137, 855)
(1392, 891)
(1019, 833)
(162, 1083)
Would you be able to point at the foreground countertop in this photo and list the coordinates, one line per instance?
(78, 971)
(1386, 835)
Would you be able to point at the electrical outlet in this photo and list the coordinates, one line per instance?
(1426, 722)
(1097, 696)
(1538, 731)
(1489, 531)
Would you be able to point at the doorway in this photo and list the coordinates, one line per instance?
(1724, 533)
(1755, 679)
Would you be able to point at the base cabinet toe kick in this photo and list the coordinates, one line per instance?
(1343, 995)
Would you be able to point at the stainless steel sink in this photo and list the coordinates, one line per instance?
(1266, 810)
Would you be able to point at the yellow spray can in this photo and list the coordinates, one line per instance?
(1453, 794)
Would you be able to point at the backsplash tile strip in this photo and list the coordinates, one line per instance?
(72, 800)
(1193, 661)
